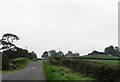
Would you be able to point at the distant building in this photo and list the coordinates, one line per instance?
(70, 54)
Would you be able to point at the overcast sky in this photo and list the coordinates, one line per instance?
(77, 25)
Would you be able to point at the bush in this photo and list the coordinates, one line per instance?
(5, 62)
(19, 61)
(94, 69)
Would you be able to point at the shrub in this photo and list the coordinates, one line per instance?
(100, 71)
(17, 62)
(5, 62)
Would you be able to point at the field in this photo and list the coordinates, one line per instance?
(98, 56)
(110, 62)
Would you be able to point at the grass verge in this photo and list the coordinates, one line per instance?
(62, 73)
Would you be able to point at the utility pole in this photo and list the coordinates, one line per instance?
(59, 49)
(26, 47)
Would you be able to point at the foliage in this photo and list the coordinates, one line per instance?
(16, 64)
(53, 72)
(115, 51)
(10, 37)
(7, 41)
(5, 63)
(19, 52)
(96, 52)
(19, 61)
(54, 54)
(45, 55)
(112, 51)
(11, 52)
(32, 55)
(97, 70)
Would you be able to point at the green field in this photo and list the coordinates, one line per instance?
(110, 62)
(53, 72)
(98, 56)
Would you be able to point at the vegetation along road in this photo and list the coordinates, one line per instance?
(34, 71)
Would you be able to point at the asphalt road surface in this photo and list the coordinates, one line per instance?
(34, 71)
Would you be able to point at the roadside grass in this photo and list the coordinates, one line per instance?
(20, 64)
(53, 72)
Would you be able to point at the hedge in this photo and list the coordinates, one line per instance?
(19, 61)
(100, 71)
(5, 62)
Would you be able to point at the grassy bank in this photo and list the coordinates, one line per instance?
(62, 73)
(18, 64)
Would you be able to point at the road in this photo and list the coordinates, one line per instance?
(34, 71)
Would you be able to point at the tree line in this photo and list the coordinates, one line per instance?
(111, 50)
(114, 51)
(52, 54)
(10, 51)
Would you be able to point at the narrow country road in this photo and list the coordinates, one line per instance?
(34, 71)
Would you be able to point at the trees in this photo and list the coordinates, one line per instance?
(32, 55)
(60, 54)
(7, 41)
(54, 54)
(21, 52)
(6, 62)
(10, 37)
(45, 55)
(112, 51)
(96, 53)
(10, 51)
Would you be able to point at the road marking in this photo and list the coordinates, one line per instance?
(34, 68)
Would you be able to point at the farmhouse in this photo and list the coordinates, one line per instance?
(70, 54)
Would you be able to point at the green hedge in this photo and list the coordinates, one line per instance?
(19, 61)
(97, 70)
